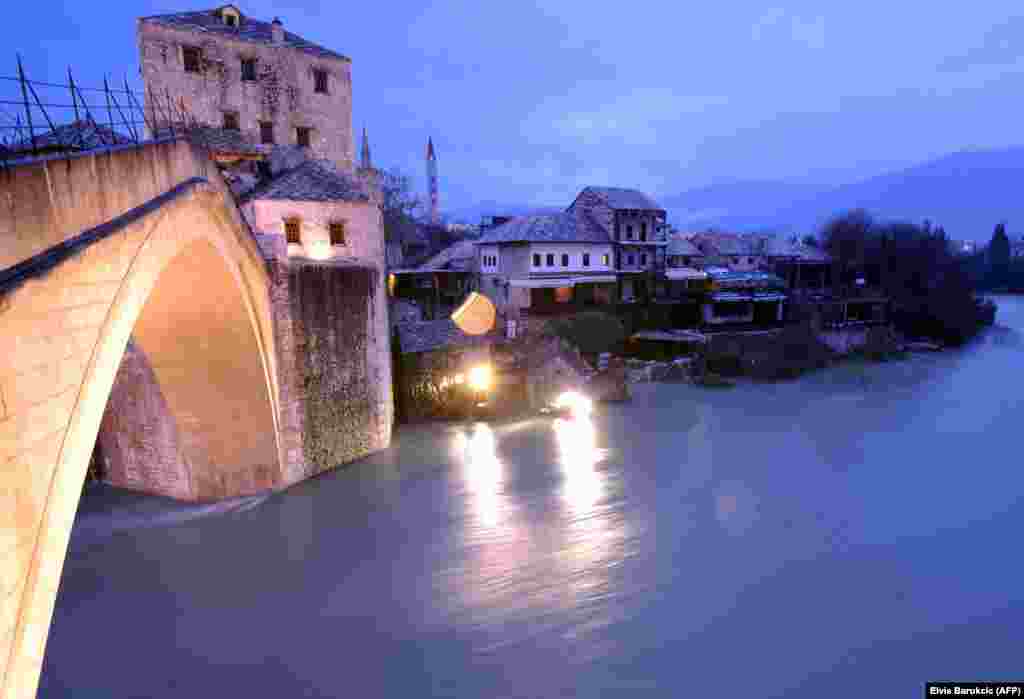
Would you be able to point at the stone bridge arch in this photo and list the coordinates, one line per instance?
(181, 275)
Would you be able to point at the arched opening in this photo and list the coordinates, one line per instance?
(189, 413)
(191, 296)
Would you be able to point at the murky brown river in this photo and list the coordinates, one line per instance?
(856, 530)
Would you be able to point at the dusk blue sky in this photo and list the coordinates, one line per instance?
(528, 102)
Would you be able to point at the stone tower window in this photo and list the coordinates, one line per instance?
(302, 136)
(249, 70)
(293, 231)
(337, 231)
(231, 121)
(192, 57)
(230, 20)
(266, 132)
(320, 80)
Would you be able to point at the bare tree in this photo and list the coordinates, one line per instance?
(400, 205)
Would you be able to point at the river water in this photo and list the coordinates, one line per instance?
(856, 530)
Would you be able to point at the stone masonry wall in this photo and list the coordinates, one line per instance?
(341, 359)
(138, 441)
(283, 92)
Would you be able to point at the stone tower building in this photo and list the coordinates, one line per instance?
(229, 70)
(435, 213)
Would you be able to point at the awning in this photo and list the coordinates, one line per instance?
(679, 273)
(596, 280)
(725, 297)
(541, 283)
(558, 282)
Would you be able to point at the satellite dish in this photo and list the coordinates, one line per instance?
(476, 315)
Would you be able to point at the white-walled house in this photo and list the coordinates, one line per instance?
(319, 213)
(545, 264)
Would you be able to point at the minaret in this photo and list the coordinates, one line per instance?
(435, 215)
(364, 161)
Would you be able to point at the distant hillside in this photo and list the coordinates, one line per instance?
(966, 192)
(736, 205)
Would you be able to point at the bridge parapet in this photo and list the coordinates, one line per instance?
(50, 201)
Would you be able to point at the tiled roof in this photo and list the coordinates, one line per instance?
(724, 243)
(621, 198)
(778, 247)
(437, 334)
(216, 139)
(683, 247)
(565, 227)
(313, 180)
(77, 135)
(734, 280)
(250, 29)
(453, 257)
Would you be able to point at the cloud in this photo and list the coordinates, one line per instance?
(998, 47)
(778, 25)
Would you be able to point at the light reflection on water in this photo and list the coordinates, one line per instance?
(577, 446)
(482, 471)
(528, 554)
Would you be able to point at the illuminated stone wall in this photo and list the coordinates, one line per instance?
(283, 92)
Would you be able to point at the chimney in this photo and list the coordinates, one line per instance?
(277, 31)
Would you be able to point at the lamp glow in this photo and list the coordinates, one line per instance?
(480, 378)
(578, 404)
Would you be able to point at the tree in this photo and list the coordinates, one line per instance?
(399, 205)
(930, 290)
(810, 240)
(999, 256)
(844, 238)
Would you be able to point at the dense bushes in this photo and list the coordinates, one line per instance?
(931, 292)
(592, 332)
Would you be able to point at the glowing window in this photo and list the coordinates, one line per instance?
(563, 294)
(337, 231)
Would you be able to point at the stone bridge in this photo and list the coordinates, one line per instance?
(140, 243)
